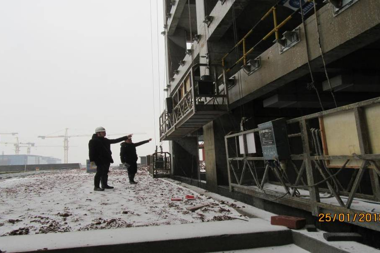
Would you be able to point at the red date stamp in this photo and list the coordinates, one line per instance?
(348, 217)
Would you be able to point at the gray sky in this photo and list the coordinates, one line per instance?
(80, 64)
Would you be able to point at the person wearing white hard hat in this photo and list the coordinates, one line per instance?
(101, 155)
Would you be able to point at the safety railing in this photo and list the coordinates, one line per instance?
(160, 164)
(275, 31)
(321, 176)
(166, 122)
(183, 107)
(187, 96)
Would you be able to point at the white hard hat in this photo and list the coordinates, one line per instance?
(100, 129)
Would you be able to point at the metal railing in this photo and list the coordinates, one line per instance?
(311, 171)
(186, 98)
(242, 42)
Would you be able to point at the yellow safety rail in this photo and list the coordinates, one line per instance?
(275, 30)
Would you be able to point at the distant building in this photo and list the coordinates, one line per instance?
(27, 159)
(143, 160)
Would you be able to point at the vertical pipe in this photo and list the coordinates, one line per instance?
(313, 190)
(275, 24)
(228, 163)
(191, 74)
(244, 53)
(226, 88)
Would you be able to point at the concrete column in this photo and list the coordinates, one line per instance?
(202, 30)
(210, 159)
(200, 9)
(216, 163)
(185, 157)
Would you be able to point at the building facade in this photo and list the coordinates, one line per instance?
(27, 160)
(284, 99)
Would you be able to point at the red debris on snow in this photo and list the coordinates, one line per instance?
(288, 221)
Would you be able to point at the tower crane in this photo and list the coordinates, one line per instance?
(65, 142)
(17, 145)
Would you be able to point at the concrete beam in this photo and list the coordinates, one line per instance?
(175, 16)
(223, 17)
(354, 83)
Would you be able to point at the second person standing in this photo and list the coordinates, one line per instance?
(128, 156)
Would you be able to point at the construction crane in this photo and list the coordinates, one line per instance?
(65, 142)
(18, 144)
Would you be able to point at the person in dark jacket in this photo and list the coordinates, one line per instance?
(101, 155)
(128, 157)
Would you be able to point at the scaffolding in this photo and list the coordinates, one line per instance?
(320, 178)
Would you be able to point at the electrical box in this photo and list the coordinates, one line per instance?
(274, 140)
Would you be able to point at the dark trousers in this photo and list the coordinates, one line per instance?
(101, 175)
(132, 170)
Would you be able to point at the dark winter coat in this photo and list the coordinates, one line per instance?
(100, 149)
(128, 151)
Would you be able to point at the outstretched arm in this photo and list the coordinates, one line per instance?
(113, 141)
(141, 142)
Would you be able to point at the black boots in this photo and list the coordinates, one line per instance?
(97, 183)
(105, 183)
(132, 178)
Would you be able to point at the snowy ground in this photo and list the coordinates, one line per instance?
(65, 201)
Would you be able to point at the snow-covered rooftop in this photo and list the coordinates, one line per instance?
(65, 201)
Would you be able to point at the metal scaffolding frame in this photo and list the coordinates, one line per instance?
(249, 173)
(160, 164)
(191, 109)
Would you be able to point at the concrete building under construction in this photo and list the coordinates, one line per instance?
(27, 160)
(286, 101)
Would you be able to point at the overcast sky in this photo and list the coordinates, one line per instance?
(80, 64)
